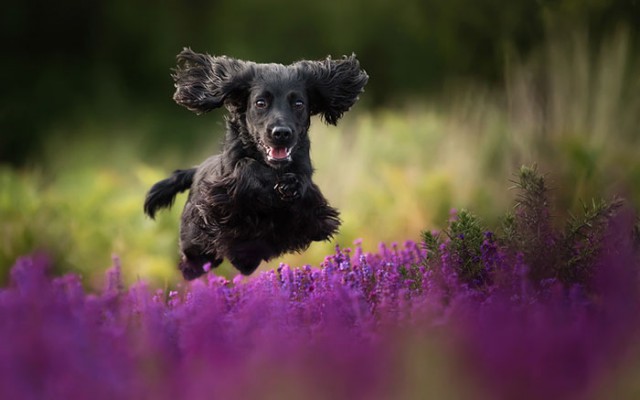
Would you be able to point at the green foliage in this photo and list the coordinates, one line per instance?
(567, 254)
(531, 230)
(83, 219)
(583, 238)
(431, 242)
(465, 238)
(462, 239)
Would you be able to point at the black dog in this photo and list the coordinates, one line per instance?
(256, 199)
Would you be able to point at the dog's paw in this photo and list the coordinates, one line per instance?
(288, 187)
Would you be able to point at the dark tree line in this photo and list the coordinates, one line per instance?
(75, 59)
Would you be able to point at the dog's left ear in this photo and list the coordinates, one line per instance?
(204, 83)
(333, 85)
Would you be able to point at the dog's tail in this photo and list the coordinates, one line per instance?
(162, 194)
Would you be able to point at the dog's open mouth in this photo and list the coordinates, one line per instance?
(278, 153)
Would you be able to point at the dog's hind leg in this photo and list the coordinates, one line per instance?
(247, 256)
(195, 245)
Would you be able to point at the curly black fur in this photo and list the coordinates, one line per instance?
(256, 199)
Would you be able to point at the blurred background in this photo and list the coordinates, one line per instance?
(461, 93)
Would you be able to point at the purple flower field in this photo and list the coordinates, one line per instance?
(396, 323)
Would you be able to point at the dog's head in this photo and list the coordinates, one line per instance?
(274, 101)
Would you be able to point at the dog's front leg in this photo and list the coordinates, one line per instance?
(252, 182)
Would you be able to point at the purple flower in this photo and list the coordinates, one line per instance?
(351, 328)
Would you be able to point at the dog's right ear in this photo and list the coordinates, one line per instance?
(204, 83)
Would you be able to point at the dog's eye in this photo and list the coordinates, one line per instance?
(261, 103)
(298, 104)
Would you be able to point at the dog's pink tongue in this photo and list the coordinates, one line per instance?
(278, 153)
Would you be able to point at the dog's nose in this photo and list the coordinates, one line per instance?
(281, 133)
